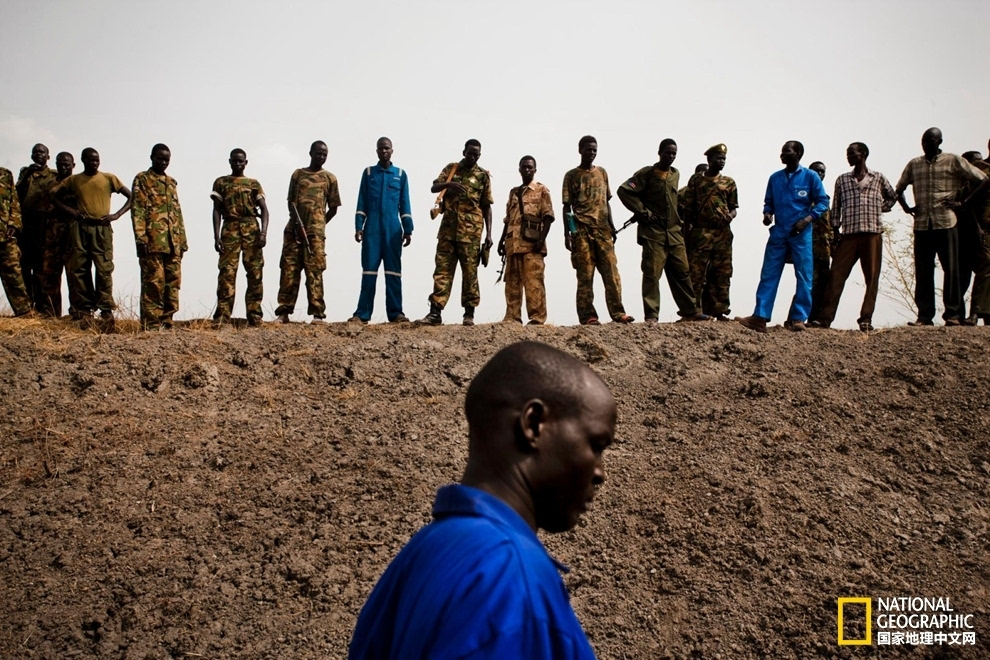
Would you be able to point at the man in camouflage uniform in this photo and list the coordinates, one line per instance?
(651, 194)
(160, 238)
(467, 207)
(33, 184)
(590, 235)
(708, 204)
(10, 254)
(238, 202)
(979, 307)
(58, 247)
(970, 241)
(86, 199)
(823, 241)
(314, 196)
(524, 265)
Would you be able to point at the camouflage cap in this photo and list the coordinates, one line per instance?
(717, 149)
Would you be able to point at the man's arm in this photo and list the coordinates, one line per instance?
(889, 196)
(405, 211)
(837, 204)
(902, 184)
(819, 204)
(217, 244)
(361, 213)
(265, 217)
(768, 205)
(441, 182)
(107, 219)
(629, 195)
(139, 217)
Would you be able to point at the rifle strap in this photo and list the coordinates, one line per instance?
(450, 177)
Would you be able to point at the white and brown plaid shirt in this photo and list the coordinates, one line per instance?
(857, 206)
(936, 182)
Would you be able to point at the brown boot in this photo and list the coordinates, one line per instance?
(757, 323)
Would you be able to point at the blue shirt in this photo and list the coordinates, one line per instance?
(791, 197)
(384, 197)
(475, 583)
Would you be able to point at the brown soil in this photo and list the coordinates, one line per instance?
(237, 493)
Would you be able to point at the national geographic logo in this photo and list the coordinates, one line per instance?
(903, 621)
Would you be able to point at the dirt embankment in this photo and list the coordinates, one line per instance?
(236, 493)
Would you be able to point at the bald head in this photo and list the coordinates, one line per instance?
(931, 140)
(539, 420)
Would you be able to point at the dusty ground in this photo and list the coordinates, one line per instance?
(236, 493)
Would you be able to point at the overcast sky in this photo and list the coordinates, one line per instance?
(522, 77)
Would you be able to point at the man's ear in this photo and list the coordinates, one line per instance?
(532, 419)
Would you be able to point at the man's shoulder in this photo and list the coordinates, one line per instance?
(5, 173)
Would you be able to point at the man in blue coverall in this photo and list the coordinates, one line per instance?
(383, 225)
(477, 582)
(795, 197)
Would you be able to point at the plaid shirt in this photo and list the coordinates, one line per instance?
(857, 208)
(936, 182)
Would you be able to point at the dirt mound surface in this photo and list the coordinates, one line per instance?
(237, 493)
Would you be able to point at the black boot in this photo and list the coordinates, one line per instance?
(468, 316)
(433, 318)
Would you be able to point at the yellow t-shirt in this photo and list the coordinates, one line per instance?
(92, 193)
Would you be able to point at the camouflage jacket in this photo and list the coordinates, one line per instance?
(707, 201)
(10, 208)
(238, 196)
(156, 214)
(313, 192)
(536, 203)
(822, 236)
(588, 193)
(463, 217)
(33, 185)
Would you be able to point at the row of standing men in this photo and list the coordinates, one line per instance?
(684, 233)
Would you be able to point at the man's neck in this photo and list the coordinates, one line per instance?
(859, 171)
(586, 166)
(791, 169)
(384, 164)
(313, 168)
(933, 156)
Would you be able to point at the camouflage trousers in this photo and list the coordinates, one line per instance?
(819, 283)
(710, 255)
(668, 258)
(296, 258)
(54, 261)
(449, 255)
(589, 252)
(524, 273)
(161, 277)
(31, 241)
(240, 237)
(90, 270)
(10, 275)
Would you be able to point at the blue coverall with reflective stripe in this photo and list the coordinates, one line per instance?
(384, 215)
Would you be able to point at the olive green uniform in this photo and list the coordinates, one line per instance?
(654, 191)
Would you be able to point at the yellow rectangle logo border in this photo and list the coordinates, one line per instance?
(868, 602)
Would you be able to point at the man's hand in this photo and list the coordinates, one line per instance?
(537, 246)
(107, 219)
(358, 236)
(501, 247)
(406, 240)
(218, 245)
(568, 241)
(767, 219)
(951, 203)
(142, 249)
(488, 242)
(455, 186)
(262, 239)
(800, 225)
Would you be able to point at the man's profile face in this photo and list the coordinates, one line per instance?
(65, 164)
(788, 155)
(570, 462)
(318, 155)
(471, 155)
(384, 151)
(588, 152)
(160, 160)
(39, 155)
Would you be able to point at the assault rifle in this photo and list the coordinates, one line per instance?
(298, 228)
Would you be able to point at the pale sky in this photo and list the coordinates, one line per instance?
(522, 77)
